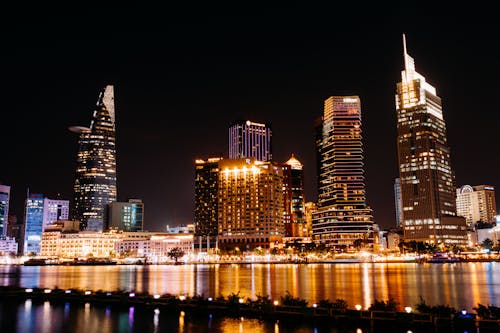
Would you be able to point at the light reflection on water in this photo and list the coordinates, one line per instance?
(459, 285)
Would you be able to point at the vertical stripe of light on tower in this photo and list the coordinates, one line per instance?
(95, 180)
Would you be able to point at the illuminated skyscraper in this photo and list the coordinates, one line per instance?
(248, 139)
(39, 212)
(95, 181)
(293, 197)
(427, 189)
(476, 204)
(4, 208)
(250, 210)
(342, 216)
(206, 198)
(398, 204)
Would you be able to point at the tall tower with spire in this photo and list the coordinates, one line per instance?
(95, 180)
(427, 180)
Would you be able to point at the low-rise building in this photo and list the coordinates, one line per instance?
(60, 240)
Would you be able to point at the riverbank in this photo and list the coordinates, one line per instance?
(287, 308)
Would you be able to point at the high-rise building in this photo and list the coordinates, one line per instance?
(4, 208)
(427, 182)
(293, 198)
(248, 139)
(398, 204)
(39, 212)
(95, 181)
(342, 217)
(15, 229)
(206, 186)
(476, 204)
(127, 216)
(250, 206)
(33, 221)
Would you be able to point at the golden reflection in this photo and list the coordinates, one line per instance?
(367, 295)
(181, 322)
(475, 284)
(241, 325)
(464, 284)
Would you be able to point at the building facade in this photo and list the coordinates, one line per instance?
(476, 204)
(398, 203)
(248, 139)
(63, 241)
(39, 212)
(427, 181)
(293, 198)
(250, 204)
(127, 216)
(342, 216)
(206, 186)
(95, 180)
(4, 208)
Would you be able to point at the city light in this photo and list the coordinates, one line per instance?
(29, 290)
(182, 298)
(156, 296)
(47, 291)
(358, 307)
(88, 292)
(276, 302)
(464, 312)
(241, 301)
(67, 292)
(131, 295)
(210, 299)
(408, 309)
(315, 305)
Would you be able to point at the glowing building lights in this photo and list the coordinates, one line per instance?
(426, 179)
(249, 139)
(95, 181)
(342, 216)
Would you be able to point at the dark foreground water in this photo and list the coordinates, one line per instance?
(46, 317)
(461, 285)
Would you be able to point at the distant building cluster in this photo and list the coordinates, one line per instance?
(251, 201)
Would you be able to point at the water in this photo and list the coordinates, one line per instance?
(461, 285)
(46, 317)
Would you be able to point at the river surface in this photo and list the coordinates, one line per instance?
(461, 285)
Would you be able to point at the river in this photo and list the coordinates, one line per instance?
(461, 285)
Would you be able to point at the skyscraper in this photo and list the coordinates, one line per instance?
(293, 198)
(4, 208)
(39, 212)
(248, 139)
(342, 217)
(398, 204)
(206, 186)
(95, 181)
(476, 204)
(250, 204)
(427, 189)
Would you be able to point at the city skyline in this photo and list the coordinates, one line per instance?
(175, 102)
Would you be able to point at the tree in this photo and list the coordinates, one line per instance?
(487, 244)
(175, 253)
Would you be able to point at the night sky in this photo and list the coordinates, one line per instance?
(182, 74)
